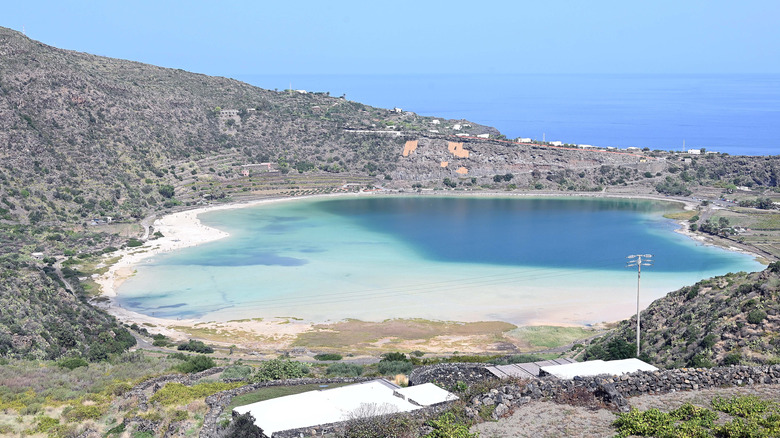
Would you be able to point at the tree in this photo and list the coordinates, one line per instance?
(243, 426)
(166, 191)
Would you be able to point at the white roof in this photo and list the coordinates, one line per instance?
(597, 367)
(338, 404)
(427, 394)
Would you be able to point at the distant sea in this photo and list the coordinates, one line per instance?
(736, 114)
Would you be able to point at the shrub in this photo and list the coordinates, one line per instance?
(732, 359)
(195, 364)
(328, 356)
(178, 394)
(709, 341)
(72, 363)
(84, 412)
(448, 425)
(243, 426)
(161, 340)
(195, 346)
(371, 420)
(237, 371)
(345, 369)
(756, 316)
(394, 357)
(391, 368)
(133, 242)
(276, 369)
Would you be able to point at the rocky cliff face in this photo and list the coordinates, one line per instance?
(724, 320)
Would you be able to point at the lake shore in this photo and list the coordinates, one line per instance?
(184, 229)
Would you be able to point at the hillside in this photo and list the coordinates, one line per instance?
(724, 320)
(86, 140)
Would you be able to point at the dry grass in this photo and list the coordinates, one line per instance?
(544, 336)
(405, 333)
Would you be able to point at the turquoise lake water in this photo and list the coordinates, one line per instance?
(521, 260)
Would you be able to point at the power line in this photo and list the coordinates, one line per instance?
(638, 260)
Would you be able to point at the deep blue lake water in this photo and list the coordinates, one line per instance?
(521, 260)
(737, 114)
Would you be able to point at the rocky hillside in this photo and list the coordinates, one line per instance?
(724, 320)
(85, 140)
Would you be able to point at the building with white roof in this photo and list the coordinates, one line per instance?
(596, 368)
(327, 406)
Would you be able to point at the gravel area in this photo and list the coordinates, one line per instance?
(543, 419)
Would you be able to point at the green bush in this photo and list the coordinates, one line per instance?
(328, 356)
(237, 372)
(277, 369)
(133, 243)
(391, 368)
(448, 425)
(394, 357)
(243, 426)
(345, 369)
(72, 363)
(178, 394)
(195, 346)
(756, 316)
(195, 364)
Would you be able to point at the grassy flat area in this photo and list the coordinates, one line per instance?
(681, 215)
(394, 333)
(545, 336)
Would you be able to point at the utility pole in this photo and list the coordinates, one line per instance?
(638, 260)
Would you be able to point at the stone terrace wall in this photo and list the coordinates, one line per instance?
(613, 391)
(607, 391)
(447, 375)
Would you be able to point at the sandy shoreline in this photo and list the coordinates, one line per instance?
(184, 229)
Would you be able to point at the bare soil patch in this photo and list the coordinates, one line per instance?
(542, 419)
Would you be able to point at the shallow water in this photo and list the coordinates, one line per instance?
(532, 260)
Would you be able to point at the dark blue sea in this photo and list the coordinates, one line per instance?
(736, 114)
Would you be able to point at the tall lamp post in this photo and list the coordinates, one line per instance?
(638, 260)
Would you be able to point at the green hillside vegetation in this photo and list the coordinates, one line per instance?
(725, 320)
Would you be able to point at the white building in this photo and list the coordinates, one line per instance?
(483, 135)
(435, 122)
(556, 143)
(597, 368)
(523, 140)
(313, 408)
(694, 151)
(456, 127)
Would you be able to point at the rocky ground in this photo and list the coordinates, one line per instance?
(541, 419)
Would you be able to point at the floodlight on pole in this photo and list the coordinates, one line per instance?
(638, 260)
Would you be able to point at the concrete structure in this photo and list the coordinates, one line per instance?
(483, 135)
(596, 368)
(523, 140)
(314, 408)
(435, 122)
(525, 370)
(556, 143)
(694, 151)
(456, 127)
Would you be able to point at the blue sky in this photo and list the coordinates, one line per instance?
(320, 37)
